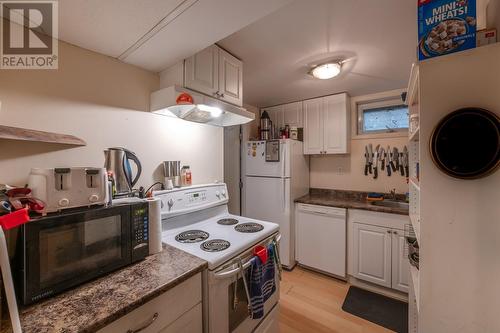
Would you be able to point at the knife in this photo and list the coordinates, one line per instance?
(401, 164)
(382, 158)
(388, 161)
(367, 160)
(376, 158)
(395, 159)
(406, 162)
(370, 157)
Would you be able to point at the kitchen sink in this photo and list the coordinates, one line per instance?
(392, 204)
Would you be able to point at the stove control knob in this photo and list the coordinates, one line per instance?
(94, 198)
(170, 203)
(217, 194)
(64, 202)
(224, 193)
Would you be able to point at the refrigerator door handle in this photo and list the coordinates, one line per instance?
(283, 202)
(283, 161)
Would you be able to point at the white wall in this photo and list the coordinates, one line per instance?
(346, 172)
(104, 102)
(460, 219)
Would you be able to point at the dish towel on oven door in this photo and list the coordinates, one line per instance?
(262, 282)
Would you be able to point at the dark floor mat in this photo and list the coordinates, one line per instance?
(378, 309)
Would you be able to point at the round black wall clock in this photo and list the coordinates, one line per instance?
(466, 143)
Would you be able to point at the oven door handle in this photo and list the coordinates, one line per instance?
(232, 272)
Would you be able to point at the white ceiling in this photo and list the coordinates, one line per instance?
(155, 34)
(377, 38)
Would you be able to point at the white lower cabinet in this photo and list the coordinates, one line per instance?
(377, 249)
(372, 254)
(400, 263)
(178, 310)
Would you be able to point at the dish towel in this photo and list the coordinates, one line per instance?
(262, 282)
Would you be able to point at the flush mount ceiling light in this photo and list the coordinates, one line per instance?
(326, 71)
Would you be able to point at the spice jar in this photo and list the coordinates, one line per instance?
(186, 177)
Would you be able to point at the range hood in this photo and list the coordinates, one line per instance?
(176, 101)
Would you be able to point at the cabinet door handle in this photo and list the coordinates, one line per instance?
(146, 325)
(389, 231)
(221, 95)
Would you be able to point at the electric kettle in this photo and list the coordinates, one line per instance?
(117, 164)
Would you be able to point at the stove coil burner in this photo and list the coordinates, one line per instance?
(249, 227)
(227, 221)
(215, 245)
(191, 236)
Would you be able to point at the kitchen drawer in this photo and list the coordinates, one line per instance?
(190, 322)
(386, 220)
(168, 307)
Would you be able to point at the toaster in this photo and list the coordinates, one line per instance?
(64, 188)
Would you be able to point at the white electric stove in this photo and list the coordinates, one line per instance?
(196, 220)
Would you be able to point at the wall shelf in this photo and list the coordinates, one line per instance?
(415, 223)
(415, 135)
(24, 134)
(415, 183)
(416, 284)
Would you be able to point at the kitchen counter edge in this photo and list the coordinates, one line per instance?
(327, 199)
(96, 304)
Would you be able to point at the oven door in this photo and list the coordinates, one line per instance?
(69, 249)
(228, 303)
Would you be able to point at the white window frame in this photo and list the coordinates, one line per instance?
(367, 105)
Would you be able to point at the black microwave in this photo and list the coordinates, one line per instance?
(57, 252)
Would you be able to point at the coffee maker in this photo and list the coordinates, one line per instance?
(265, 126)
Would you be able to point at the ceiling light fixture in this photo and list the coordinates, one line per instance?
(326, 71)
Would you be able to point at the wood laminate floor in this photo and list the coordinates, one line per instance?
(311, 302)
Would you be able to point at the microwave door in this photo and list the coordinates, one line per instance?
(65, 251)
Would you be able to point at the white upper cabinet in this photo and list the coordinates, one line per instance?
(292, 114)
(326, 125)
(336, 124)
(313, 126)
(230, 78)
(202, 71)
(216, 73)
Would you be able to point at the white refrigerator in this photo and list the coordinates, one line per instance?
(276, 173)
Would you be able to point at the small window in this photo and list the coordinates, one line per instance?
(382, 117)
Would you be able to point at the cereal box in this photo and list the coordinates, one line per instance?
(445, 26)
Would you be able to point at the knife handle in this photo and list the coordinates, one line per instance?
(382, 166)
(407, 171)
(366, 169)
(370, 168)
(388, 170)
(402, 169)
(393, 166)
(375, 173)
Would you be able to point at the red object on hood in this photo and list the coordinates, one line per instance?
(184, 98)
(14, 219)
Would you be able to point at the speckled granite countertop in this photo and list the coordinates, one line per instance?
(94, 305)
(347, 199)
